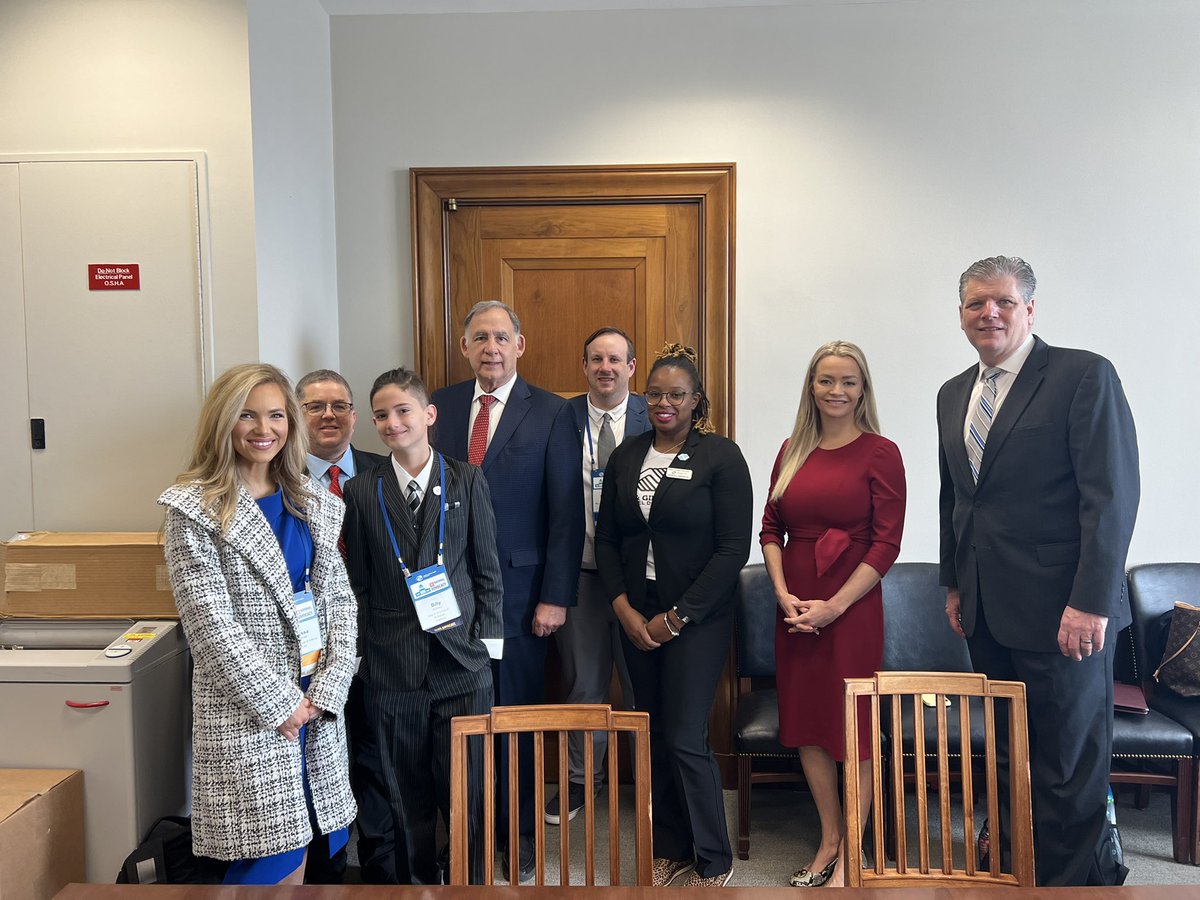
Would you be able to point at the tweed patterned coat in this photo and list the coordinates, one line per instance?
(235, 601)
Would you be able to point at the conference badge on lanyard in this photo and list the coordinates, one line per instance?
(430, 589)
(308, 628)
(597, 477)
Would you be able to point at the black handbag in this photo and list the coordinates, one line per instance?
(1180, 666)
(166, 857)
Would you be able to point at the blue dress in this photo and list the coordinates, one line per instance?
(295, 541)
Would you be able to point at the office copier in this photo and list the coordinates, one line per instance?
(111, 698)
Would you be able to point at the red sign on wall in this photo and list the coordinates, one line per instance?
(110, 277)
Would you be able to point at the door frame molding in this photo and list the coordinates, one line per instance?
(433, 192)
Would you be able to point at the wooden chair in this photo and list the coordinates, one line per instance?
(906, 688)
(512, 721)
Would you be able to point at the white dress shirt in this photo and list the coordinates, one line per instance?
(501, 394)
(1009, 370)
(595, 418)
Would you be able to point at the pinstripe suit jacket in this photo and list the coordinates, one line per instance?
(235, 602)
(395, 649)
(532, 469)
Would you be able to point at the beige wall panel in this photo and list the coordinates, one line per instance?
(16, 500)
(117, 375)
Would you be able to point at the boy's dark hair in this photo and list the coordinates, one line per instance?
(406, 380)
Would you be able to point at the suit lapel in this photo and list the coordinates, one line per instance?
(515, 410)
(636, 419)
(579, 406)
(957, 453)
(454, 420)
(1028, 381)
(431, 506)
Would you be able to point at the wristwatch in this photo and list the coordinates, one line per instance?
(682, 618)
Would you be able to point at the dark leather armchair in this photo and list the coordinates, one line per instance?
(756, 718)
(1153, 590)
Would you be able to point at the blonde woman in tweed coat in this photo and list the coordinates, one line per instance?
(245, 533)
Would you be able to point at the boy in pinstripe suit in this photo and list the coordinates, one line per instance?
(411, 513)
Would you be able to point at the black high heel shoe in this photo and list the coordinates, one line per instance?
(805, 878)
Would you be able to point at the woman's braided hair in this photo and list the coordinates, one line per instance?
(680, 356)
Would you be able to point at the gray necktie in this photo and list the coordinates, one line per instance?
(981, 420)
(414, 498)
(605, 442)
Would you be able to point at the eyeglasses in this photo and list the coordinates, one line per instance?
(316, 408)
(675, 398)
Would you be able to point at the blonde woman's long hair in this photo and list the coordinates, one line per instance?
(214, 461)
(806, 434)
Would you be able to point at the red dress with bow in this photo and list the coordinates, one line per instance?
(843, 507)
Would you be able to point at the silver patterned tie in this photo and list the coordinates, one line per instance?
(414, 498)
(981, 420)
(605, 442)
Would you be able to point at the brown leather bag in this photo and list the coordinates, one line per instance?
(1180, 666)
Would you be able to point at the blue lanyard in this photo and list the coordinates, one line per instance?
(441, 519)
(587, 424)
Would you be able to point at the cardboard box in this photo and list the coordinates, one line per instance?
(86, 575)
(41, 832)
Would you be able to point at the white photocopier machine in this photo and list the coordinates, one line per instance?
(111, 698)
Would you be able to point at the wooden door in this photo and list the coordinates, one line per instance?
(569, 270)
(648, 249)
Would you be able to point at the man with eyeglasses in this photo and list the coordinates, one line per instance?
(328, 407)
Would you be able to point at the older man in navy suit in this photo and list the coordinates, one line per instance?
(525, 440)
(589, 643)
(1040, 486)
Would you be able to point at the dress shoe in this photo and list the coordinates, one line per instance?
(527, 857)
(664, 871)
(698, 880)
(805, 878)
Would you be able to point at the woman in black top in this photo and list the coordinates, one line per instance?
(673, 533)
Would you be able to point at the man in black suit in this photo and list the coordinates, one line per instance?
(589, 642)
(422, 666)
(525, 441)
(1039, 491)
(329, 416)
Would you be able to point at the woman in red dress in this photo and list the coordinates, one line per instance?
(830, 531)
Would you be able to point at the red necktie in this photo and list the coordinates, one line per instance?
(477, 448)
(335, 488)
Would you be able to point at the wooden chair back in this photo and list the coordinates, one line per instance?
(891, 691)
(507, 723)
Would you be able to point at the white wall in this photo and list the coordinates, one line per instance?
(881, 147)
(127, 76)
(292, 106)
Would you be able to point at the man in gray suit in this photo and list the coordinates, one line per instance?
(589, 643)
(1039, 491)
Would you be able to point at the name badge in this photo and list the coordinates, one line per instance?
(682, 474)
(433, 597)
(308, 628)
(597, 491)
